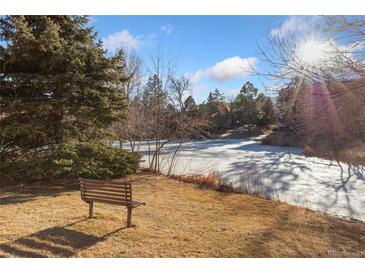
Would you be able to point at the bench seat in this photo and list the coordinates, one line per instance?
(108, 192)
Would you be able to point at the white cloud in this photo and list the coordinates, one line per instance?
(292, 24)
(167, 29)
(122, 39)
(197, 76)
(287, 26)
(228, 69)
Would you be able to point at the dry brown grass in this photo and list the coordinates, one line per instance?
(179, 220)
(211, 181)
(252, 182)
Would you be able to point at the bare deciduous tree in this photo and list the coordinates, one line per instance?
(351, 31)
(156, 111)
(134, 74)
(180, 89)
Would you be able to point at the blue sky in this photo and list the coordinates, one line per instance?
(198, 42)
(213, 50)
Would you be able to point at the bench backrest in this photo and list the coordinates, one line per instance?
(106, 191)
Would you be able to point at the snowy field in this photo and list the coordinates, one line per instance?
(284, 173)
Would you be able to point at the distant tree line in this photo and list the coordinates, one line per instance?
(249, 108)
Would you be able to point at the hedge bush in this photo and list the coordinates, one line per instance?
(72, 160)
(93, 160)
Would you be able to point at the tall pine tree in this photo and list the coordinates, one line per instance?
(58, 91)
(245, 105)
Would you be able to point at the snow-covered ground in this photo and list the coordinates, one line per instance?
(285, 173)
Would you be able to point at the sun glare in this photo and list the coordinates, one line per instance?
(312, 52)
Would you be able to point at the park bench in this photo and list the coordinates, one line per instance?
(108, 192)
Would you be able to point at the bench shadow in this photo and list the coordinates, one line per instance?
(58, 241)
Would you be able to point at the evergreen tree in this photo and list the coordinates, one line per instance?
(288, 108)
(266, 111)
(214, 99)
(253, 108)
(153, 94)
(155, 104)
(245, 105)
(211, 104)
(57, 90)
(214, 102)
(189, 104)
(218, 97)
(248, 89)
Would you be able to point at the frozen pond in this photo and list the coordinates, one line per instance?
(284, 173)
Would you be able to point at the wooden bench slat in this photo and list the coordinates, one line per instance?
(117, 190)
(106, 193)
(105, 189)
(90, 196)
(93, 196)
(107, 185)
(101, 182)
(121, 199)
(106, 202)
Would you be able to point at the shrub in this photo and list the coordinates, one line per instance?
(22, 169)
(72, 160)
(94, 160)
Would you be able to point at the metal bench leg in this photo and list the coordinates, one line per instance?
(91, 207)
(129, 217)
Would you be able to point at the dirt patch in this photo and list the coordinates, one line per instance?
(179, 220)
